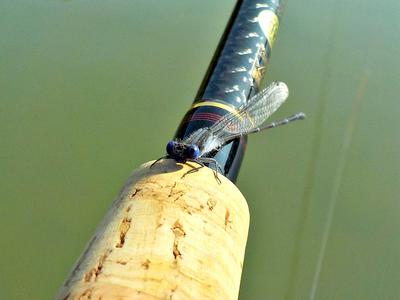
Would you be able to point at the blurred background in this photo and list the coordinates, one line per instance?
(91, 90)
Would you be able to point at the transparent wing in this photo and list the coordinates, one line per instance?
(254, 113)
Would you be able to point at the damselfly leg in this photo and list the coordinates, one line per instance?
(209, 160)
(156, 161)
(195, 169)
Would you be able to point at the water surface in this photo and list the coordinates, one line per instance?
(90, 90)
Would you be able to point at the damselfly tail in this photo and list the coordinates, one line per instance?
(295, 117)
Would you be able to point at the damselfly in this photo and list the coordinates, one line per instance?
(249, 118)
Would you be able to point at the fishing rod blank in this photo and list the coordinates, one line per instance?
(234, 75)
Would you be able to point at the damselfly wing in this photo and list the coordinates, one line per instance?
(242, 122)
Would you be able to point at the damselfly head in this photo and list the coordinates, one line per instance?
(182, 151)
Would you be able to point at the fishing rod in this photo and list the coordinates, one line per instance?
(172, 236)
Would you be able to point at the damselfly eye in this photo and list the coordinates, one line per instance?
(193, 151)
(170, 147)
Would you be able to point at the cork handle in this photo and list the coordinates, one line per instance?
(165, 237)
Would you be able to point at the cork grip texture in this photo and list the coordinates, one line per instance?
(165, 237)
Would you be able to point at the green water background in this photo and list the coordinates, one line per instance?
(90, 90)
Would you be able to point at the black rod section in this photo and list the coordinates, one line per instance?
(234, 75)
